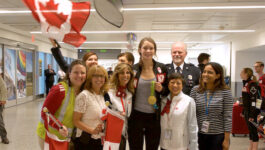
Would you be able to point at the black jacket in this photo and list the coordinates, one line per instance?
(190, 73)
(49, 75)
(56, 52)
(250, 93)
(159, 69)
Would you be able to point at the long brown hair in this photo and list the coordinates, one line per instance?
(148, 39)
(250, 74)
(114, 81)
(219, 84)
(91, 71)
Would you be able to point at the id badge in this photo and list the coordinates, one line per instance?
(205, 126)
(168, 134)
(258, 103)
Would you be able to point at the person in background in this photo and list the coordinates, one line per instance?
(60, 102)
(259, 66)
(89, 58)
(179, 129)
(88, 107)
(250, 94)
(214, 105)
(150, 83)
(126, 57)
(203, 59)
(61, 75)
(49, 80)
(110, 72)
(121, 91)
(190, 73)
(3, 98)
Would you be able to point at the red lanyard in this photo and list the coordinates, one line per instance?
(122, 104)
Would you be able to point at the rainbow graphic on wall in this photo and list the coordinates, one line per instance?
(21, 63)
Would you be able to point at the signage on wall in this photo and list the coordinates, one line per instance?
(101, 53)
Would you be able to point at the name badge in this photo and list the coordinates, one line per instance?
(258, 103)
(168, 134)
(205, 126)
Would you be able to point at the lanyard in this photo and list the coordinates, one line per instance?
(122, 104)
(207, 103)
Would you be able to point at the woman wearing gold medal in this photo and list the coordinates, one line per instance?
(213, 108)
(150, 83)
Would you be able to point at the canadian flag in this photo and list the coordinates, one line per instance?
(61, 19)
(114, 126)
(52, 142)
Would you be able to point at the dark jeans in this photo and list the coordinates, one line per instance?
(48, 87)
(92, 144)
(2, 125)
(253, 133)
(210, 141)
(142, 125)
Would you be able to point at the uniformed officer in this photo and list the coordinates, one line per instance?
(190, 72)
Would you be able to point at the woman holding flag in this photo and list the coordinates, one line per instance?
(120, 94)
(88, 108)
(60, 103)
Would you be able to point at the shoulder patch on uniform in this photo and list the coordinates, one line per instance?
(61, 88)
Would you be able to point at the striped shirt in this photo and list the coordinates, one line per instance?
(219, 110)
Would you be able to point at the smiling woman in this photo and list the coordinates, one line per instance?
(213, 108)
(88, 107)
(178, 118)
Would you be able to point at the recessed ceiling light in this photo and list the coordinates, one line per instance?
(159, 42)
(194, 8)
(159, 31)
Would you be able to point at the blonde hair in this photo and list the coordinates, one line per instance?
(250, 74)
(114, 81)
(92, 70)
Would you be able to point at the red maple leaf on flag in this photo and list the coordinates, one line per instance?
(61, 19)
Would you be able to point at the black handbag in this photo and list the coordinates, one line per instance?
(85, 137)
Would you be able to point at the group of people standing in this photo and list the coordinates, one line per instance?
(175, 106)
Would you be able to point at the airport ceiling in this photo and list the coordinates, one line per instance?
(179, 21)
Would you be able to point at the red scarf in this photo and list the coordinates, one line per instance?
(166, 108)
(121, 92)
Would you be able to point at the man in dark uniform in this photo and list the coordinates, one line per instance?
(190, 72)
(49, 73)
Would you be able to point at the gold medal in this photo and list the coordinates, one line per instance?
(152, 99)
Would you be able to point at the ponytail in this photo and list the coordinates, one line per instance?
(254, 78)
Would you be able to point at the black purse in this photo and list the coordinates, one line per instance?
(85, 137)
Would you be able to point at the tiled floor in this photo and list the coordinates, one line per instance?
(21, 122)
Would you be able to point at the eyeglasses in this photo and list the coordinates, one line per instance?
(98, 76)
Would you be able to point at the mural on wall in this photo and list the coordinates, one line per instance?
(29, 80)
(21, 74)
(9, 73)
(40, 67)
(41, 73)
(1, 61)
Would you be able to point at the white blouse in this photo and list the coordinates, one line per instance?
(182, 121)
(90, 105)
